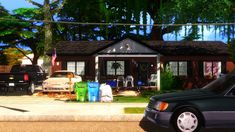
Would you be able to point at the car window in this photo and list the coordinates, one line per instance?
(62, 74)
(221, 84)
(231, 92)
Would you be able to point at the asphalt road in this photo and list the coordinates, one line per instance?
(83, 127)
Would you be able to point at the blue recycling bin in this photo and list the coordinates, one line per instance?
(93, 91)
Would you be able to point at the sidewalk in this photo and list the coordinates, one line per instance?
(34, 108)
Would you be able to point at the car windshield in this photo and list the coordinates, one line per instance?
(61, 74)
(221, 84)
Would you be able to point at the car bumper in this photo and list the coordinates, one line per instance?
(157, 117)
(57, 89)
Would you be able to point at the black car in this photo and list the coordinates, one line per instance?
(189, 110)
(25, 77)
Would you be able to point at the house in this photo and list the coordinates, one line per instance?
(196, 62)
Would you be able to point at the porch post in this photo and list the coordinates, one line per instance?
(97, 68)
(158, 72)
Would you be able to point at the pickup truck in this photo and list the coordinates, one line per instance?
(22, 77)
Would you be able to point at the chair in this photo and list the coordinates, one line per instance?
(153, 80)
(129, 79)
(120, 79)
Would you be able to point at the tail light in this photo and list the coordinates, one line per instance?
(26, 77)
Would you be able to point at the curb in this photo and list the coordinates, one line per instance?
(72, 118)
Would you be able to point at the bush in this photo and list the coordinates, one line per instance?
(169, 81)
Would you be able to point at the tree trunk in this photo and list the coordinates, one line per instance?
(35, 59)
(156, 33)
(47, 28)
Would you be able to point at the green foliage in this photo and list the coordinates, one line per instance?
(130, 11)
(13, 56)
(167, 79)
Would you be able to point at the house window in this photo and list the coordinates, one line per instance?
(115, 67)
(77, 67)
(178, 68)
(212, 69)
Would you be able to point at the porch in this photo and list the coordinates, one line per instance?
(128, 71)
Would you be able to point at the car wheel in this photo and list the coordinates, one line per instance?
(31, 88)
(187, 120)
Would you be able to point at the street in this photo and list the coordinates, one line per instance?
(21, 106)
(82, 127)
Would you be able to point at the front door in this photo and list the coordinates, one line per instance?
(143, 72)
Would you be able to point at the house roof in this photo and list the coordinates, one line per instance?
(189, 47)
(86, 48)
(79, 47)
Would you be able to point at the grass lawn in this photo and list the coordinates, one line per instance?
(130, 99)
(134, 110)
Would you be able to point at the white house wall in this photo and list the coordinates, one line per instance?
(128, 46)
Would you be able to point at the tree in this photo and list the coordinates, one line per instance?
(12, 32)
(13, 56)
(49, 10)
(160, 11)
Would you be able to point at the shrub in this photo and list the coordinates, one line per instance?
(169, 81)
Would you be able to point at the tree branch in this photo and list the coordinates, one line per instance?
(55, 2)
(57, 9)
(22, 53)
(35, 3)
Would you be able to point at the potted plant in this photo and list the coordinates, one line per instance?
(116, 65)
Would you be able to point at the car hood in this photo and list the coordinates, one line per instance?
(184, 95)
(57, 80)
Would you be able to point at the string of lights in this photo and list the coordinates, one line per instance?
(118, 24)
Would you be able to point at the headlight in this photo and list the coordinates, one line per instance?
(44, 83)
(67, 83)
(161, 106)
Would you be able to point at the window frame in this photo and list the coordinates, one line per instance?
(212, 67)
(178, 68)
(115, 70)
(76, 67)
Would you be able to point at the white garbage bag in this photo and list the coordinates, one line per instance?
(106, 93)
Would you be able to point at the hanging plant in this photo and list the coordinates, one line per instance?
(116, 65)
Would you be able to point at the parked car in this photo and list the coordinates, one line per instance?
(189, 110)
(59, 82)
(25, 77)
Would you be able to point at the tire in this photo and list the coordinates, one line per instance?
(187, 120)
(31, 88)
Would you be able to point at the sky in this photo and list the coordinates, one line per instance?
(208, 35)
(14, 4)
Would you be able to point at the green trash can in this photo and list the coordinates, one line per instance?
(81, 89)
